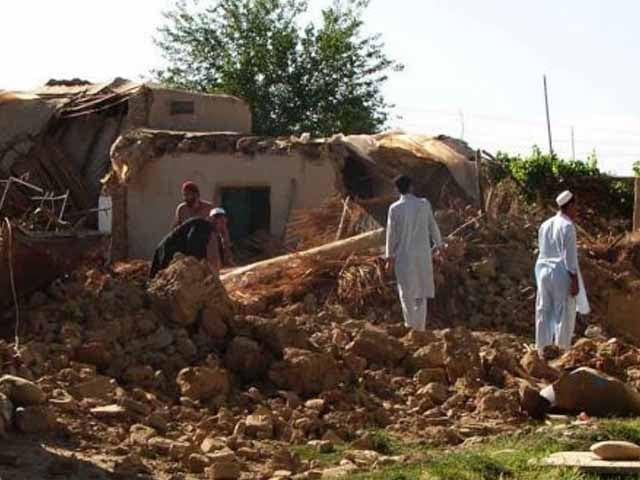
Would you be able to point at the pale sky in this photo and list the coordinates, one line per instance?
(480, 61)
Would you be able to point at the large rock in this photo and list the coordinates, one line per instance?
(245, 358)
(99, 387)
(275, 334)
(186, 287)
(429, 357)
(597, 394)
(496, 403)
(259, 426)
(377, 347)
(305, 372)
(203, 383)
(21, 391)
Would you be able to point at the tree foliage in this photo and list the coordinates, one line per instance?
(296, 78)
(542, 176)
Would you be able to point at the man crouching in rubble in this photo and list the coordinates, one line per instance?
(411, 231)
(196, 237)
(561, 290)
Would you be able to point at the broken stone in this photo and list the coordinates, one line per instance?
(377, 347)
(203, 383)
(99, 387)
(21, 391)
(141, 434)
(212, 444)
(321, 446)
(305, 372)
(158, 421)
(224, 471)
(316, 404)
(437, 392)
(362, 458)
(429, 357)
(259, 426)
(342, 471)
(197, 463)
(496, 403)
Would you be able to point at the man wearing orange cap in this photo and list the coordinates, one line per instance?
(561, 291)
(192, 205)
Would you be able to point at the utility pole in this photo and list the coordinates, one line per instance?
(546, 104)
(461, 124)
(573, 145)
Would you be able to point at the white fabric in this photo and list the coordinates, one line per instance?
(217, 211)
(411, 230)
(564, 198)
(555, 307)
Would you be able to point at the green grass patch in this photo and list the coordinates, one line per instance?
(508, 457)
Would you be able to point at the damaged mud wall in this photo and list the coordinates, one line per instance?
(292, 181)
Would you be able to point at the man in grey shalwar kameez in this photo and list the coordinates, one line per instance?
(411, 232)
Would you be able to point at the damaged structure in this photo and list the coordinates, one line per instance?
(261, 181)
(60, 134)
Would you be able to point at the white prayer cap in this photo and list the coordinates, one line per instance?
(564, 198)
(217, 211)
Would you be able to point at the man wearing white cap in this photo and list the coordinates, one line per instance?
(561, 290)
(219, 216)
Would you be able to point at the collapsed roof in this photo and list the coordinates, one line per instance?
(59, 135)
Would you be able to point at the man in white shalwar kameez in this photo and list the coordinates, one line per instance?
(559, 283)
(411, 231)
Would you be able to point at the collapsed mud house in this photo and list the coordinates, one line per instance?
(60, 134)
(261, 181)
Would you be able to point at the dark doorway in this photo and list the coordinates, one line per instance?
(357, 179)
(248, 210)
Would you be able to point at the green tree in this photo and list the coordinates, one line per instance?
(636, 168)
(296, 78)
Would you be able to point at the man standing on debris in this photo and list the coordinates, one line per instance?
(197, 237)
(192, 206)
(411, 232)
(561, 290)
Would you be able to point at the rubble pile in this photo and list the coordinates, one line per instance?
(486, 282)
(169, 377)
(177, 376)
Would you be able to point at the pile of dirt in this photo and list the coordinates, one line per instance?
(167, 378)
(486, 282)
